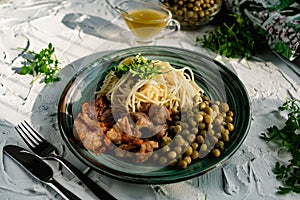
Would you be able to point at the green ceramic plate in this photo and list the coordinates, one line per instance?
(218, 82)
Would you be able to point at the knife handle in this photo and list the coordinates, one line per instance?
(65, 193)
(95, 188)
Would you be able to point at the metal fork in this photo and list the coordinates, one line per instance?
(39, 145)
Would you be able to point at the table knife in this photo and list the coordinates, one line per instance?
(38, 168)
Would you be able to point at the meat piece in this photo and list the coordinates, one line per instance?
(89, 132)
(124, 125)
(159, 114)
(101, 103)
(93, 142)
(89, 109)
(121, 132)
(124, 150)
(84, 124)
(159, 130)
(141, 119)
(115, 135)
(94, 109)
(111, 115)
(146, 150)
(119, 112)
(139, 150)
(108, 118)
(126, 138)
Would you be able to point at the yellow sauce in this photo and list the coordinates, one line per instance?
(145, 23)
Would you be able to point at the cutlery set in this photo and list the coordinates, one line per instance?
(38, 168)
(43, 150)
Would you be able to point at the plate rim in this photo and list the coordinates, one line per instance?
(135, 178)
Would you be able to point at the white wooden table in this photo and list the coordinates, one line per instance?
(82, 30)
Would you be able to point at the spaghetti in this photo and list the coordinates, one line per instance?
(174, 88)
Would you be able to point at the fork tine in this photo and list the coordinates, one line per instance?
(34, 140)
(36, 135)
(25, 138)
(29, 134)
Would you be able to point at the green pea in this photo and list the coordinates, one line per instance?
(191, 138)
(228, 119)
(202, 126)
(202, 105)
(196, 98)
(210, 132)
(185, 132)
(185, 125)
(216, 153)
(192, 122)
(172, 155)
(177, 129)
(188, 159)
(205, 98)
(200, 139)
(195, 155)
(203, 147)
(189, 151)
(178, 149)
(199, 117)
(194, 130)
(224, 107)
(230, 126)
(230, 113)
(179, 140)
(182, 164)
(166, 148)
(155, 156)
(220, 145)
(163, 160)
(194, 145)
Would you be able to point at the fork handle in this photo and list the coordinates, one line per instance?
(61, 190)
(95, 188)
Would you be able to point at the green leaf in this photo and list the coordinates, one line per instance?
(144, 69)
(284, 190)
(287, 137)
(42, 63)
(232, 39)
(26, 70)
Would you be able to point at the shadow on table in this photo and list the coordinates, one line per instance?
(96, 26)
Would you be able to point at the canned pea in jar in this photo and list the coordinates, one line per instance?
(193, 14)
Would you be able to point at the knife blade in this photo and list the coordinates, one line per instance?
(38, 168)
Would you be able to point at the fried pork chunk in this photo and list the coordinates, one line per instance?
(88, 130)
(99, 127)
(89, 133)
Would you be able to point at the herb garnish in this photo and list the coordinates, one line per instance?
(232, 39)
(144, 69)
(289, 138)
(42, 63)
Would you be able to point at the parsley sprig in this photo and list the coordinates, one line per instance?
(288, 138)
(232, 39)
(140, 67)
(43, 63)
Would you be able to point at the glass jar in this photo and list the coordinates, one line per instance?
(192, 14)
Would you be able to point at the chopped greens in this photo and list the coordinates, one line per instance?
(231, 39)
(288, 138)
(42, 63)
(144, 69)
